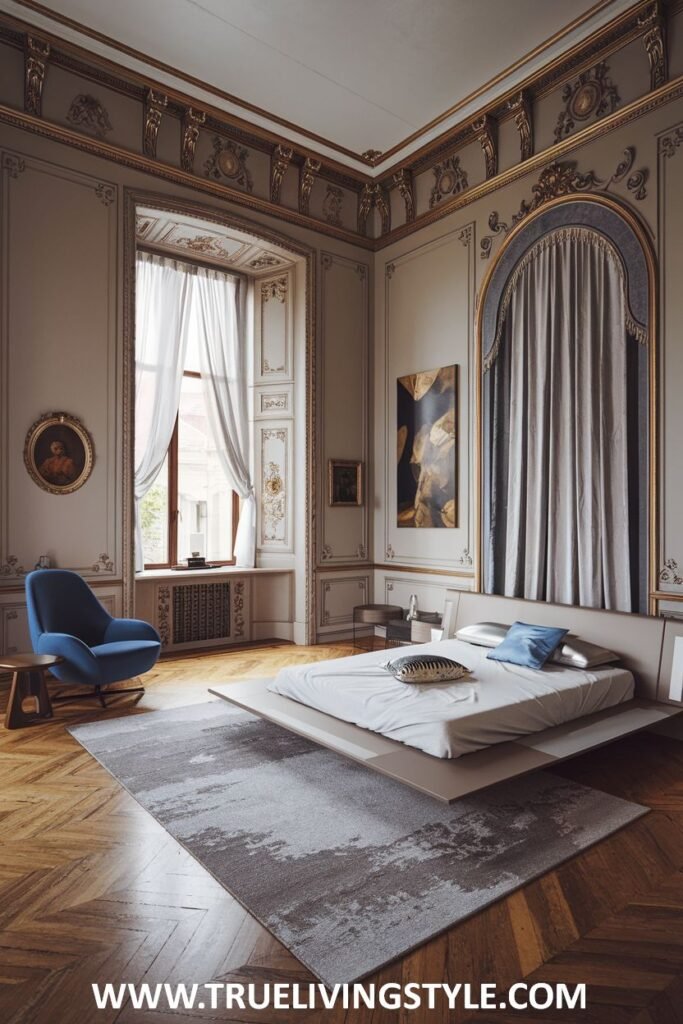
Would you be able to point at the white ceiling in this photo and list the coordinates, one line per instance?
(365, 74)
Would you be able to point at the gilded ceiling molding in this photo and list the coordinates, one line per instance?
(563, 179)
(279, 162)
(371, 156)
(403, 180)
(192, 122)
(229, 160)
(520, 106)
(654, 40)
(307, 173)
(450, 180)
(332, 205)
(591, 95)
(87, 113)
(485, 132)
(371, 197)
(155, 105)
(35, 66)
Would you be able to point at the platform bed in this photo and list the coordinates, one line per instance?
(640, 641)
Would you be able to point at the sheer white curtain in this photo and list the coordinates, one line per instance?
(163, 296)
(220, 302)
(559, 485)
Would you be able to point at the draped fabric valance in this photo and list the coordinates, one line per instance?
(583, 236)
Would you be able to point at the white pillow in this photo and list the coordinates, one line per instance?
(574, 651)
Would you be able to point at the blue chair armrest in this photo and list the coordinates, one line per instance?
(129, 629)
(81, 664)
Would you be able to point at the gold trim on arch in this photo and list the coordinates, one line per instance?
(644, 238)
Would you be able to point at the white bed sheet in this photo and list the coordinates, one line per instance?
(494, 703)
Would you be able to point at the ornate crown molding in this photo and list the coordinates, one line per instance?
(192, 122)
(373, 196)
(654, 40)
(403, 180)
(591, 95)
(520, 107)
(155, 105)
(484, 129)
(307, 174)
(35, 66)
(279, 162)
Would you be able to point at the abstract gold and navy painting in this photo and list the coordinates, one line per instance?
(426, 453)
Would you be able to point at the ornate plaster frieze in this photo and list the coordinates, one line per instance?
(373, 196)
(592, 94)
(307, 175)
(485, 132)
(653, 23)
(35, 66)
(450, 180)
(229, 160)
(520, 106)
(88, 115)
(155, 105)
(192, 122)
(332, 205)
(403, 180)
(279, 162)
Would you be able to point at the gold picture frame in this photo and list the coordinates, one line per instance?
(344, 483)
(58, 453)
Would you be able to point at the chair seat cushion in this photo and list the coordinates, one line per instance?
(123, 659)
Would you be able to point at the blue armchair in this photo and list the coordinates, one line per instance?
(65, 618)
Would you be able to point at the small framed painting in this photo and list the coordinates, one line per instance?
(344, 482)
(58, 453)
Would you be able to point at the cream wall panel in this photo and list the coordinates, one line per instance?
(339, 595)
(273, 328)
(394, 588)
(11, 76)
(276, 484)
(344, 434)
(58, 343)
(427, 323)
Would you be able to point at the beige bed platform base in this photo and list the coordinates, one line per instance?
(645, 644)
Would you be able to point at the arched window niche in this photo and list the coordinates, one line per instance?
(566, 371)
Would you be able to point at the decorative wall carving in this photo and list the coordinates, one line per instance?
(35, 65)
(264, 261)
(11, 567)
(371, 156)
(403, 179)
(520, 106)
(465, 236)
(562, 179)
(103, 564)
(654, 40)
(192, 122)
(671, 573)
(332, 205)
(87, 113)
(164, 615)
(591, 95)
(229, 160)
(275, 289)
(275, 402)
(155, 105)
(238, 609)
(485, 132)
(450, 180)
(373, 196)
(465, 558)
(307, 173)
(279, 162)
(14, 165)
(274, 471)
(105, 193)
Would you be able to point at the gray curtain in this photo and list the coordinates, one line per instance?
(562, 487)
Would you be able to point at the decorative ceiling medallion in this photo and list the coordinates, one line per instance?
(307, 175)
(229, 160)
(451, 179)
(654, 39)
(563, 179)
(279, 162)
(591, 95)
(37, 53)
(403, 180)
(332, 205)
(155, 105)
(373, 196)
(87, 113)
(264, 261)
(192, 122)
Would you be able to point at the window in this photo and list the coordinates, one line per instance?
(191, 505)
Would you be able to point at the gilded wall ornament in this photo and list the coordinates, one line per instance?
(591, 95)
(451, 180)
(373, 196)
(264, 261)
(332, 205)
(279, 162)
(563, 179)
(485, 132)
(103, 564)
(671, 573)
(307, 173)
(155, 105)
(371, 156)
(403, 180)
(520, 106)
(465, 236)
(273, 500)
(275, 289)
(11, 567)
(654, 40)
(229, 160)
(35, 65)
(87, 113)
(192, 122)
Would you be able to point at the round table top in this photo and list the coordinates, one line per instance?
(27, 662)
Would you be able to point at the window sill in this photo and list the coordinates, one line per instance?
(186, 574)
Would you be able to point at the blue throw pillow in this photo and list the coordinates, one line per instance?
(528, 645)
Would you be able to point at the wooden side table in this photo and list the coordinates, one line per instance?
(28, 684)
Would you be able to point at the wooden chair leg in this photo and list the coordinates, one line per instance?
(25, 685)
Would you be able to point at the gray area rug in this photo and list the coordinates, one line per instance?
(348, 869)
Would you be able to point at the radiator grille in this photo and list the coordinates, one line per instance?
(201, 611)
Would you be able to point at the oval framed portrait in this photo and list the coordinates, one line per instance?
(58, 453)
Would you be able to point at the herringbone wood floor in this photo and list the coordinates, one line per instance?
(93, 889)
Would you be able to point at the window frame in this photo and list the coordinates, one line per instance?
(174, 512)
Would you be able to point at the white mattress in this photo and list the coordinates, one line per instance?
(496, 702)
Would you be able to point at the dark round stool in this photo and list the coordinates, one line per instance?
(28, 683)
(374, 615)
